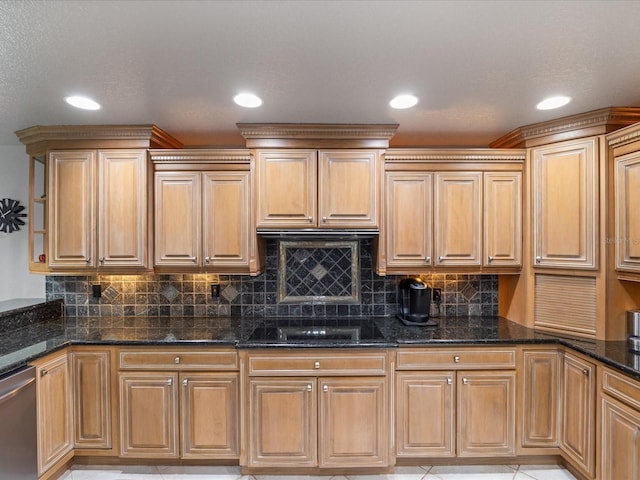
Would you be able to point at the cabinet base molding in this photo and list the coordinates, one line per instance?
(280, 471)
(89, 460)
(516, 460)
(61, 466)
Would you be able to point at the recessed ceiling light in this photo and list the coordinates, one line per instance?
(83, 102)
(248, 100)
(403, 101)
(553, 102)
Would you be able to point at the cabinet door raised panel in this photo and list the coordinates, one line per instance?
(502, 243)
(425, 406)
(409, 219)
(209, 413)
(226, 216)
(348, 188)
(123, 227)
(177, 218)
(72, 209)
(149, 415)
(620, 441)
(486, 413)
(565, 204)
(627, 241)
(286, 188)
(458, 218)
(283, 422)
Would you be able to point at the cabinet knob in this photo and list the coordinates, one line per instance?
(456, 359)
(538, 259)
(170, 382)
(310, 219)
(316, 365)
(325, 388)
(176, 360)
(464, 381)
(585, 371)
(427, 259)
(440, 259)
(449, 381)
(194, 259)
(102, 260)
(207, 259)
(44, 372)
(324, 219)
(185, 382)
(88, 260)
(490, 259)
(309, 388)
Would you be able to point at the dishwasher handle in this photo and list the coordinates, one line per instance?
(18, 388)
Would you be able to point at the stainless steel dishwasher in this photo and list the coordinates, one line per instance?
(18, 440)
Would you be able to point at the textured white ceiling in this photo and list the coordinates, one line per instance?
(478, 67)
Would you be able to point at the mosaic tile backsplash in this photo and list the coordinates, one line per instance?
(190, 295)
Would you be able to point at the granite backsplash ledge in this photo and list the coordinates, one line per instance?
(21, 313)
(324, 271)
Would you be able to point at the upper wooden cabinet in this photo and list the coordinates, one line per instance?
(203, 214)
(438, 214)
(89, 195)
(317, 189)
(565, 204)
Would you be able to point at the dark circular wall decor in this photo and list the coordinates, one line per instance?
(11, 215)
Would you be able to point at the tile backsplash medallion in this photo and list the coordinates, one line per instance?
(190, 294)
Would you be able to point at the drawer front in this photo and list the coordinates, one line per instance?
(177, 359)
(621, 387)
(455, 358)
(283, 364)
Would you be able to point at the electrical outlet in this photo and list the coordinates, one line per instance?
(437, 295)
(215, 290)
(96, 291)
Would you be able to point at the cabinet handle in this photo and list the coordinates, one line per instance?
(449, 381)
(427, 259)
(456, 359)
(44, 372)
(170, 382)
(490, 259)
(538, 259)
(316, 365)
(102, 260)
(185, 382)
(176, 360)
(309, 388)
(324, 219)
(465, 381)
(325, 388)
(310, 219)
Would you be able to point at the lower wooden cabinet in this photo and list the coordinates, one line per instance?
(54, 407)
(620, 453)
(577, 431)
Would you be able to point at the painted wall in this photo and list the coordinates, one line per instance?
(15, 279)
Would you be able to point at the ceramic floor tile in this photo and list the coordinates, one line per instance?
(399, 473)
(471, 472)
(544, 472)
(199, 473)
(114, 472)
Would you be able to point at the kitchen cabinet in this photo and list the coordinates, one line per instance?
(540, 394)
(317, 189)
(502, 219)
(455, 402)
(92, 407)
(166, 400)
(577, 429)
(203, 213)
(54, 410)
(565, 202)
(89, 195)
(324, 410)
(619, 400)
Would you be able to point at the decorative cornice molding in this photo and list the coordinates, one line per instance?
(455, 155)
(317, 131)
(626, 135)
(197, 155)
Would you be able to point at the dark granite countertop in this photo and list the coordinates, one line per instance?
(21, 346)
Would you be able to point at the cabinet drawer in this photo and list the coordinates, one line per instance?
(177, 359)
(621, 387)
(455, 358)
(312, 363)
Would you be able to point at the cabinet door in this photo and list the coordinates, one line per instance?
(72, 209)
(209, 415)
(540, 398)
(565, 204)
(55, 422)
(91, 399)
(486, 413)
(578, 414)
(627, 194)
(348, 188)
(286, 188)
(353, 423)
(425, 414)
(282, 422)
(226, 219)
(620, 441)
(149, 415)
(458, 218)
(177, 219)
(122, 208)
(409, 219)
(502, 242)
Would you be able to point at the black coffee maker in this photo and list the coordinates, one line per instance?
(414, 301)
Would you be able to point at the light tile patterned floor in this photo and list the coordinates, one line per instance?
(471, 472)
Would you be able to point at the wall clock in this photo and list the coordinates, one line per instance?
(11, 215)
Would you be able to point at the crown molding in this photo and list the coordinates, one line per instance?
(200, 156)
(624, 135)
(455, 155)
